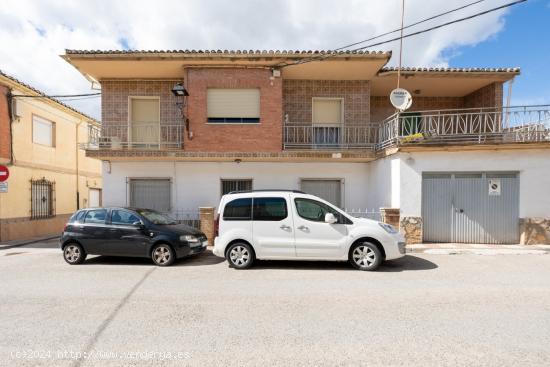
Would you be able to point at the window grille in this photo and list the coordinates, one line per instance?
(235, 185)
(42, 198)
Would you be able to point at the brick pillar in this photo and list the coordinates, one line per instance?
(390, 216)
(207, 223)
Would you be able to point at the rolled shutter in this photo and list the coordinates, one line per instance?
(327, 111)
(233, 103)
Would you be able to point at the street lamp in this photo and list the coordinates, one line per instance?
(179, 90)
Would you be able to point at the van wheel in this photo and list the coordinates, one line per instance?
(74, 254)
(240, 255)
(365, 256)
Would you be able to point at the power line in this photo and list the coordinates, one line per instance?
(333, 53)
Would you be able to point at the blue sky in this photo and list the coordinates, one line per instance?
(33, 33)
(524, 42)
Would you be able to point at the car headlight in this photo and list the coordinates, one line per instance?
(189, 238)
(388, 228)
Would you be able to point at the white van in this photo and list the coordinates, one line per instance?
(292, 225)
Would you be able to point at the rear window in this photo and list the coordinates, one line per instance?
(238, 209)
(269, 209)
(77, 217)
(95, 216)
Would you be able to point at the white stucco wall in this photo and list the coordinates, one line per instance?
(197, 184)
(533, 167)
(383, 183)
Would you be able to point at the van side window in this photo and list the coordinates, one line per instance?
(269, 209)
(315, 211)
(238, 209)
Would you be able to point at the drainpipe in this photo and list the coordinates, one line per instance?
(76, 167)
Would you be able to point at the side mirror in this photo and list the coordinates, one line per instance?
(139, 224)
(330, 218)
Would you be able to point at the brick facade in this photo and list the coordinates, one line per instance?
(298, 94)
(266, 136)
(488, 96)
(5, 138)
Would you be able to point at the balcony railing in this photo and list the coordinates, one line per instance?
(142, 135)
(334, 137)
(468, 126)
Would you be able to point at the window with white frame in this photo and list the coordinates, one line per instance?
(235, 105)
(235, 185)
(43, 131)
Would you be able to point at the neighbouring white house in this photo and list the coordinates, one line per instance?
(181, 128)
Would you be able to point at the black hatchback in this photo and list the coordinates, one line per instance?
(129, 232)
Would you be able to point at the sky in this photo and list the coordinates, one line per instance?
(34, 33)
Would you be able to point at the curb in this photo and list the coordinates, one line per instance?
(7, 247)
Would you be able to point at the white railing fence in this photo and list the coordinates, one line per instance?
(365, 213)
(189, 217)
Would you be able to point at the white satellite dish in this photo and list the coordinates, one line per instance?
(401, 99)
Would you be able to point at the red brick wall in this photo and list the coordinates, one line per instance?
(5, 139)
(382, 108)
(298, 94)
(263, 137)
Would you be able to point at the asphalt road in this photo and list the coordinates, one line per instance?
(422, 310)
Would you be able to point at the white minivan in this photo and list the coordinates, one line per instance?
(292, 225)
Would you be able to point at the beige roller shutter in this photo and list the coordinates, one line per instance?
(145, 120)
(327, 111)
(233, 103)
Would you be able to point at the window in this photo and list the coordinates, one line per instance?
(42, 199)
(95, 216)
(123, 217)
(327, 111)
(77, 217)
(269, 209)
(238, 209)
(315, 211)
(233, 105)
(235, 185)
(43, 131)
(151, 193)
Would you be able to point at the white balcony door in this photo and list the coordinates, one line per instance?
(145, 121)
(327, 117)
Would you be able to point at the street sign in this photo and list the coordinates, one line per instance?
(4, 173)
(401, 99)
(494, 187)
(3, 187)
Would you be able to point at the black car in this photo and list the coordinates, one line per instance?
(129, 232)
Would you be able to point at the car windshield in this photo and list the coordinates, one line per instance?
(156, 217)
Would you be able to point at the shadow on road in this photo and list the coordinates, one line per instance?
(407, 263)
(206, 258)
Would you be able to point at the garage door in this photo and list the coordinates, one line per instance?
(471, 207)
(330, 190)
(150, 194)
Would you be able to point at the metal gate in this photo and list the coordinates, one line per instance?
(471, 207)
(150, 194)
(328, 189)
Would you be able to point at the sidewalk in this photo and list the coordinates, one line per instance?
(477, 249)
(16, 243)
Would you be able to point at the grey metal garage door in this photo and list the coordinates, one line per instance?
(475, 207)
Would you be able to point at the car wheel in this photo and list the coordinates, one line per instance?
(240, 255)
(163, 255)
(365, 256)
(74, 254)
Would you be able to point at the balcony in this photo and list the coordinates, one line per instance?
(522, 124)
(336, 137)
(137, 136)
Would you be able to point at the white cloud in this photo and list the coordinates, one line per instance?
(34, 33)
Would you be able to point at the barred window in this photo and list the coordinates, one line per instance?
(235, 185)
(42, 199)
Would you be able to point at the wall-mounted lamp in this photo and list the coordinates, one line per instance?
(179, 90)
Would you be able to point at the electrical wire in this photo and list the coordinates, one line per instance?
(333, 53)
(57, 96)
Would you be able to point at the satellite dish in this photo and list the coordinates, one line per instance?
(401, 99)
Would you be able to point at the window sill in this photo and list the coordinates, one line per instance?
(233, 123)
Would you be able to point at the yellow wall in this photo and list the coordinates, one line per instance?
(58, 163)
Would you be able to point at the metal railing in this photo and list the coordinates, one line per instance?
(333, 137)
(467, 126)
(142, 135)
(365, 213)
(189, 217)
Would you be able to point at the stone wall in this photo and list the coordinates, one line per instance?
(534, 231)
(298, 95)
(411, 228)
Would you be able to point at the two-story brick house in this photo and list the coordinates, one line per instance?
(323, 123)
